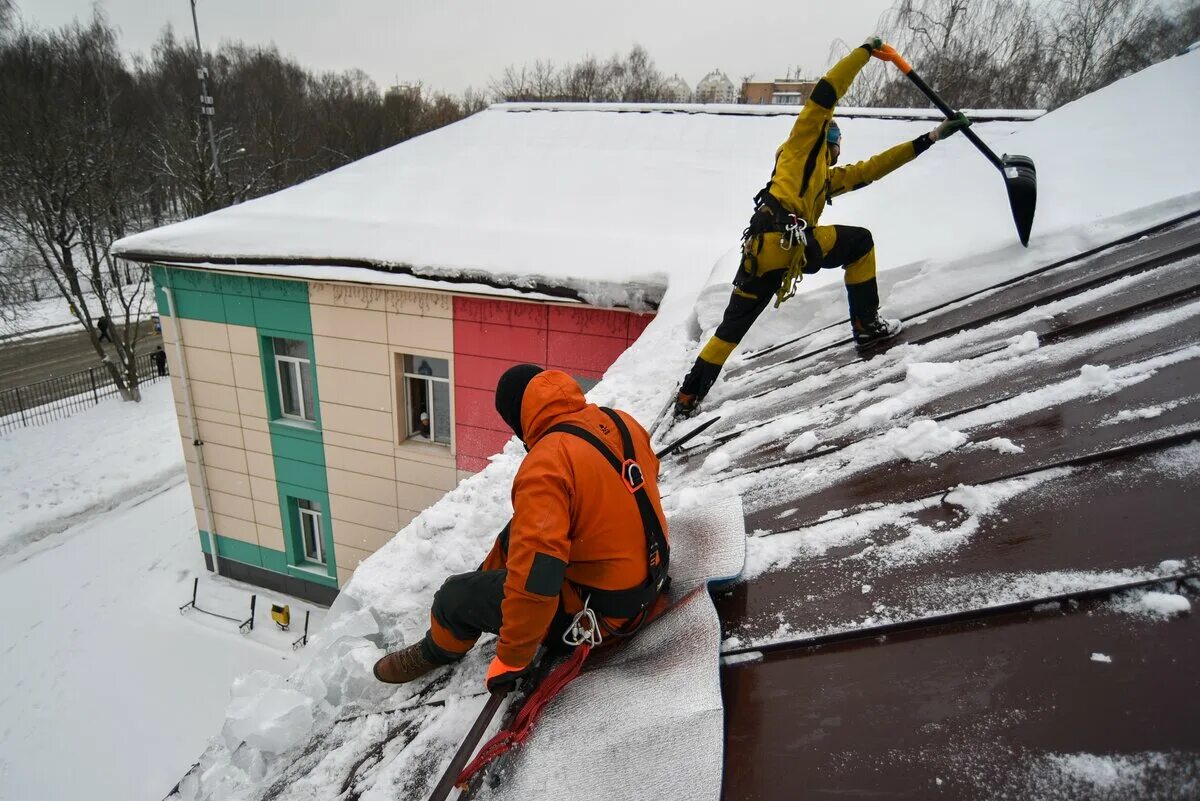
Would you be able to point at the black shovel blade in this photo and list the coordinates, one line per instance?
(1020, 179)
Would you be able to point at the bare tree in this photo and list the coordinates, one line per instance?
(69, 167)
(629, 79)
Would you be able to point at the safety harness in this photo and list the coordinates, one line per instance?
(633, 604)
(770, 216)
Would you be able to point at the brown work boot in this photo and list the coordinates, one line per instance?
(403, 666)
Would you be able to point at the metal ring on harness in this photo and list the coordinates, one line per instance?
(793, 232)
(585, 627)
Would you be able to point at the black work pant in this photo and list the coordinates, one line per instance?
(466, 606)
(851, 246)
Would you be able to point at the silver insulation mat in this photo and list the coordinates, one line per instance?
(645, 720)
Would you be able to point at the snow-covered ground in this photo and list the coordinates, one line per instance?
(106, 691)
(53, 315)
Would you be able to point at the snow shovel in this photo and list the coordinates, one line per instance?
(1020, 176)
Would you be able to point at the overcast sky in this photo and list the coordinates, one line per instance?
(449, 45)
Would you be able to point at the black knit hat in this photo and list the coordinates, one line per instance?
(510, 391)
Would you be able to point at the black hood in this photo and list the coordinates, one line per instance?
(510, 391)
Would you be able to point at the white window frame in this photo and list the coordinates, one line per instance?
(430, 379)
(315, 516)
(297, 385)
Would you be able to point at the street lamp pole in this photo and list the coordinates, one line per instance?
(206, 102)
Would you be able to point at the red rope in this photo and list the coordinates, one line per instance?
(522, 726)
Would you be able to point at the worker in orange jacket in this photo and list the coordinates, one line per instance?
(587, 526)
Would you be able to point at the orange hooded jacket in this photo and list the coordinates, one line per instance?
(570, 507)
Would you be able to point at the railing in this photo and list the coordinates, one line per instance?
(62, 396)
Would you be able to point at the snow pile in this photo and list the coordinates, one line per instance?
(1098, 657)
(1153, 605)
(88, 470)
(923, 440)
(1102, 777)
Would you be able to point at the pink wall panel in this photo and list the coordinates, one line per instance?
(492, 335)
(583, 351)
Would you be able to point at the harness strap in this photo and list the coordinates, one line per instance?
(633, 602)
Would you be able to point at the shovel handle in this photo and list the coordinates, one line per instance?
(889, 53)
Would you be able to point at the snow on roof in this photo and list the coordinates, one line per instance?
(1093, 357)
(609, 202)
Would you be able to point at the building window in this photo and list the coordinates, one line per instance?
(426, 399)
(310, 531)
(293, 370)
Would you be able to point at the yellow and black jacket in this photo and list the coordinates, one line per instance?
(802, 181)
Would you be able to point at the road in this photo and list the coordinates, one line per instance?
(31, 360)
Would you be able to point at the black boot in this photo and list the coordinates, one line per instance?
(695, 386)
(868, 334)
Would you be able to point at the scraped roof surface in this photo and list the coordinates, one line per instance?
(938, 534)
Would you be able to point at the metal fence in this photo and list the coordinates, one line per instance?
(62, 396)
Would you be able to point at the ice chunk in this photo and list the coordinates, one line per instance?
(265, 714)
(1097, 377)
(1099, 657)
(1153, 604)
(927, 374)
(803, 443)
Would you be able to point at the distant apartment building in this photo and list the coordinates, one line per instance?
(780, 92)
(715, 87)
(677, 90)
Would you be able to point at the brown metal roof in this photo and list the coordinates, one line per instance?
(966, 697)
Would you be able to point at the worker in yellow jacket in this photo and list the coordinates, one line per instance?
(784, 241)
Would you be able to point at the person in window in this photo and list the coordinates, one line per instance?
(423, 425)
(578, 531)
(783, 240)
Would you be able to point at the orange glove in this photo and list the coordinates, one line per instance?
(502, 677)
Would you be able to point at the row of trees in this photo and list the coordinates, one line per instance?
(629, 79)
(94, 146)
(1024, 53)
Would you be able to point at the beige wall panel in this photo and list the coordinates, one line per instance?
(356, 461)
(431, 335)
(247, 371)
(352, 420)
(357, 535)
(347, 557)
(350, 354)
(258, 441)
(260, 465)
(172, 357)
(236, 528)
(463, 475)
(349, 296)
(368, 326)
(213, 366)
(243, 339)
(228, 505)
(189, 450)
(263, 489)
(213, 415)
(228, 481)
(353, 388)
(271, 537)
(436, 475)
(423, 453)
(251, 403)
(267, 514)
(253, 423)
(425, 304)
(366, 513)
(219, 434)
(362, 487)
(203, 334)
(343, 575)
(418, 499)
(197, 501)
(368, 444)
(225, 457)
(406, 517)
(193, 472)
(214, 396)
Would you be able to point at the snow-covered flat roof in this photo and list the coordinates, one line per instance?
(605, 204)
